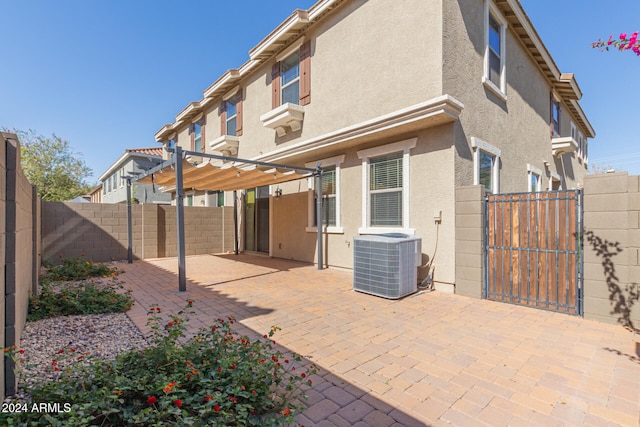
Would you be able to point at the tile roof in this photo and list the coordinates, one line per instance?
(153, 151)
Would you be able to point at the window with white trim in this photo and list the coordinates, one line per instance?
(230, 109)
(290, 79)
(555, 117)
(494, 57)
(330, 196)
(386, 187)
(486, 165)
(197, 137)
(534, 178)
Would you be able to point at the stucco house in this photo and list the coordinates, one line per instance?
(400, 104)
(133, 161)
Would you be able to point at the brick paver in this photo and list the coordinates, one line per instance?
(428, 359)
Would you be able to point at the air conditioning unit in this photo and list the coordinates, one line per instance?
(386, 265)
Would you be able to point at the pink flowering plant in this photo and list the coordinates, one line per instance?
(215, 378)
(623, 42)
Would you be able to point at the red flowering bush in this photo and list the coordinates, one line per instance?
(624, 42)
(215, 378)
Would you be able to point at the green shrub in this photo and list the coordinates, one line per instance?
(77, 269)
(64, 299)
(216, 378)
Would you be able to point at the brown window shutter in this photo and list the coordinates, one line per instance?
(239, 113)
(305, 73)
(203, 127)
(192, 136)
(275, 85)
(223, 118)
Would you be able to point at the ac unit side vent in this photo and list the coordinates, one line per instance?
(386, 265)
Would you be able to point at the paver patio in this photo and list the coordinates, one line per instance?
(428, 359)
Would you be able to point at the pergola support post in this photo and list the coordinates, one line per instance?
(235, 222)
(129, 223)
(182, 275)
(318, 176)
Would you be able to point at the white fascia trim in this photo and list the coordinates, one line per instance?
(229, 76)
(404, 146)
(189, 109)
(485, 146)
(533, 35)
(445, 106)
(298, 19)
(122, 160)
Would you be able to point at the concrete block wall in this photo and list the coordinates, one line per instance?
(469, 240)
(99, 231)
(612, 248)
(19, 237)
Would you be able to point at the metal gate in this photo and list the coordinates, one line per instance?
(533, 250)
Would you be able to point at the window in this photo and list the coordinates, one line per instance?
(291, 76)
(534, 175)
(122, 180)
(231, 114)
(219, 198)
(197, 136)
(230, 108)
(104, 188)
(555, 117)
(189, 201)
(385, 177)
(290, 79)
(114, 184)
(330, 196)
(494, 61)
(486, 165)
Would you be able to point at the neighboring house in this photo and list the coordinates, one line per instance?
(95, 195)
(400, 105)
(133, 161)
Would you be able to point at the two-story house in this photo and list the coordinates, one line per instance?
(400, 104)
(134, 161)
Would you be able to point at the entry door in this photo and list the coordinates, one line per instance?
(257, 219)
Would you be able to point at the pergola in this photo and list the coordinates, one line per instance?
(214, 172)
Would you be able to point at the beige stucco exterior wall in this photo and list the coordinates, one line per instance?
(431, 189)
(519, 126)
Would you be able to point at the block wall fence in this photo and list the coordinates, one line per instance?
(99, 231)
(19, 251)
(611, 245)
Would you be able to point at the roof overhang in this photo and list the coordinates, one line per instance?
(564, 84)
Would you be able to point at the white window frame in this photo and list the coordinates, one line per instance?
(311, 227)
(479, 145)
(491, 10)
(554, 177)
(533, 171)
(292, 82)
(405, 146)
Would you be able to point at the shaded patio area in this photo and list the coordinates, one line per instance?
(428, 359)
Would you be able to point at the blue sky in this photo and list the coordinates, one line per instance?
(107, 74)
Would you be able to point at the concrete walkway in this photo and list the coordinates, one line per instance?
(429, 359)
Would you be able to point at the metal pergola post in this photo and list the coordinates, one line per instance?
(129, 223)
(182, 271)
(176, 161)
(235, 222)
(318, 176)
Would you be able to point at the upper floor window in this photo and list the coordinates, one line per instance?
(230, 108)
(291, 77)
(555, 117)
(494, 57)
(197, 136)
(386, 182)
